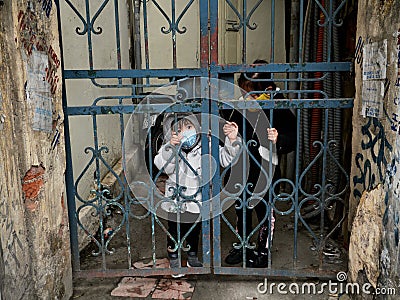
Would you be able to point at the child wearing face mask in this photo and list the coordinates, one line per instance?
(180, 158)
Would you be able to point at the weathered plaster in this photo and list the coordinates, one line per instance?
(375, 154)
(34, 233)
(366, 237)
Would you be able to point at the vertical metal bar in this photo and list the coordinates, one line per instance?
(153, 229)
(244, 41)
(99, 188)
(206, 192)
(178, 200)
(137, 47)
(296, 199)
(216, 180)
(323, 187)
(173, 33)
(89, 35)
(213, 49)
(329, 28)
(294, 44)
(146, 38)
(118, 37)
(213, 34)
(245, 182)
(301, 18)
(153, 186)
(272, 59)
(205, 166)
(69, 176)
(270, 190)
(132, 28)
(126, 189)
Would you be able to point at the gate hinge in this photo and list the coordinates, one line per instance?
(232, 25)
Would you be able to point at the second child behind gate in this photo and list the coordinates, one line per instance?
(283, 135)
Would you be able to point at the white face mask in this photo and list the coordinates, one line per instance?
(189, 138)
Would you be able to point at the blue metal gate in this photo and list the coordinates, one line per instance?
(319, 180)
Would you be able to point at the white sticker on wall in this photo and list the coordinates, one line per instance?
(42, 117)
(38, 91)
(372, 98)
(38, 62)
(374, 61)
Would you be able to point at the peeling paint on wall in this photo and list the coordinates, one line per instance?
(32, 184)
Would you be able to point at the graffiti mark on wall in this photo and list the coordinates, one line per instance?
(28, 27)
(371, 169)
(395, 184)
(2, 116)
(395, 123)
(395, 118)
(10, 240)
(46, 6)
(358, 55)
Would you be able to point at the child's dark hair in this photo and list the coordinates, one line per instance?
(180, 122)
(246, 79)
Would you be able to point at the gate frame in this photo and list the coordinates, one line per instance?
(209, 67)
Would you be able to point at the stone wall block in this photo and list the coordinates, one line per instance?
(366, 236)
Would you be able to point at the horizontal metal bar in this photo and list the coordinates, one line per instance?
(196, 106)
(284, 68)
(128, 109)
(195, 72)
(300, 273)
(283, 104)
(138, 272)
(132, 73)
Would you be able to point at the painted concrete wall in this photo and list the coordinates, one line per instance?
(85, 92)
(160, 44)
(230, 42)
(376, 147)
(33, 217)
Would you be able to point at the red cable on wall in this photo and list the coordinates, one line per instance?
(315, 131)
